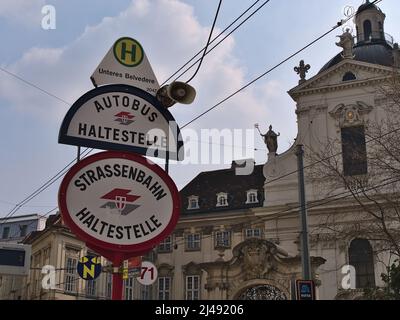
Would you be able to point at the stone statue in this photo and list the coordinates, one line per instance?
(302, 70)
(347, 43)
(270, 139)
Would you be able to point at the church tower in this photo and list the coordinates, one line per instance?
(337, 110)
(369, 22)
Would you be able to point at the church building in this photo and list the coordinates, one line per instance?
(239, 237)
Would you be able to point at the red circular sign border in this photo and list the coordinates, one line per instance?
(90, 240)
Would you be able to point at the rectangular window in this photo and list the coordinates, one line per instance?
(6, 233)
(164, 288)
(222, 200)
(253, 233)
(193, 203)
(70, 277)
(193, 242)
(91, 288)
(192, 287)
(252, 197)
(222, 239)
(23, 229)
(129, 286)
(166, 245)
(146, 292)
(354, 151)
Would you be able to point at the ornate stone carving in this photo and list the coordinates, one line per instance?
(302, 70)
(351, 114)
(257, 258)
(256, 265)
(262, 292)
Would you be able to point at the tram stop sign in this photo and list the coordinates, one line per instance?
(120, 203)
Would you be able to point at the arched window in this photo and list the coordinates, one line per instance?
(367, 30)
(361, 258)
(348, 76)
(354, 149)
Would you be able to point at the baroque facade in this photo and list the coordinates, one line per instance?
(260, 253)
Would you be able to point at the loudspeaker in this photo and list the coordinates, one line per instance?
(181, 92)
(177, 91)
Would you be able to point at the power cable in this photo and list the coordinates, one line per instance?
(231, 95)
(272, 69)
(35, 86)
(220, 34)
(43, 187)
(208, 43)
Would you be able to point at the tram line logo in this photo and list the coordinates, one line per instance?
(121, 199)
(124, 118)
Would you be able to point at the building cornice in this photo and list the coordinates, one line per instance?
(311, 86)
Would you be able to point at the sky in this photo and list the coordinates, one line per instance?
(61, 60)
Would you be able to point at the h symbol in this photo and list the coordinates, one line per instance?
(124, 51)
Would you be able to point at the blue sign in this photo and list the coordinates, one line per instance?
(89, 268)
(305, 290)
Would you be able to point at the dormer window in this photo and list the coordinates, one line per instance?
(252, 197)
(193, 203)
(222, 200)
(349, 76)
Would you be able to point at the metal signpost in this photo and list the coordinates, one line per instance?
(119, 202)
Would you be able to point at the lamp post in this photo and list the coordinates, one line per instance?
(305, 255)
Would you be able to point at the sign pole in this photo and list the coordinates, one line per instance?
(78, 156)
(167, 157)
(117, 282)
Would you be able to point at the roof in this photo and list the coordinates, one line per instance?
(377, 53)
(26, 217)
(208, 184)
(53, 221)
(366, 6)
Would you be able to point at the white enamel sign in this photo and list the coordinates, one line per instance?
(119, 201)
(122, 118)
(126, 63)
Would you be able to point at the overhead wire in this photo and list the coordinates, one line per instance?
(19, 205)
(220, 34)
(228, 97)
(208, 43)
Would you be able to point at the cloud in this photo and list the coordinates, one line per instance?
(168, 42)
(25, 12)
(170, 35)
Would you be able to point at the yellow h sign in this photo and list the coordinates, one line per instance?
(128, 52)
